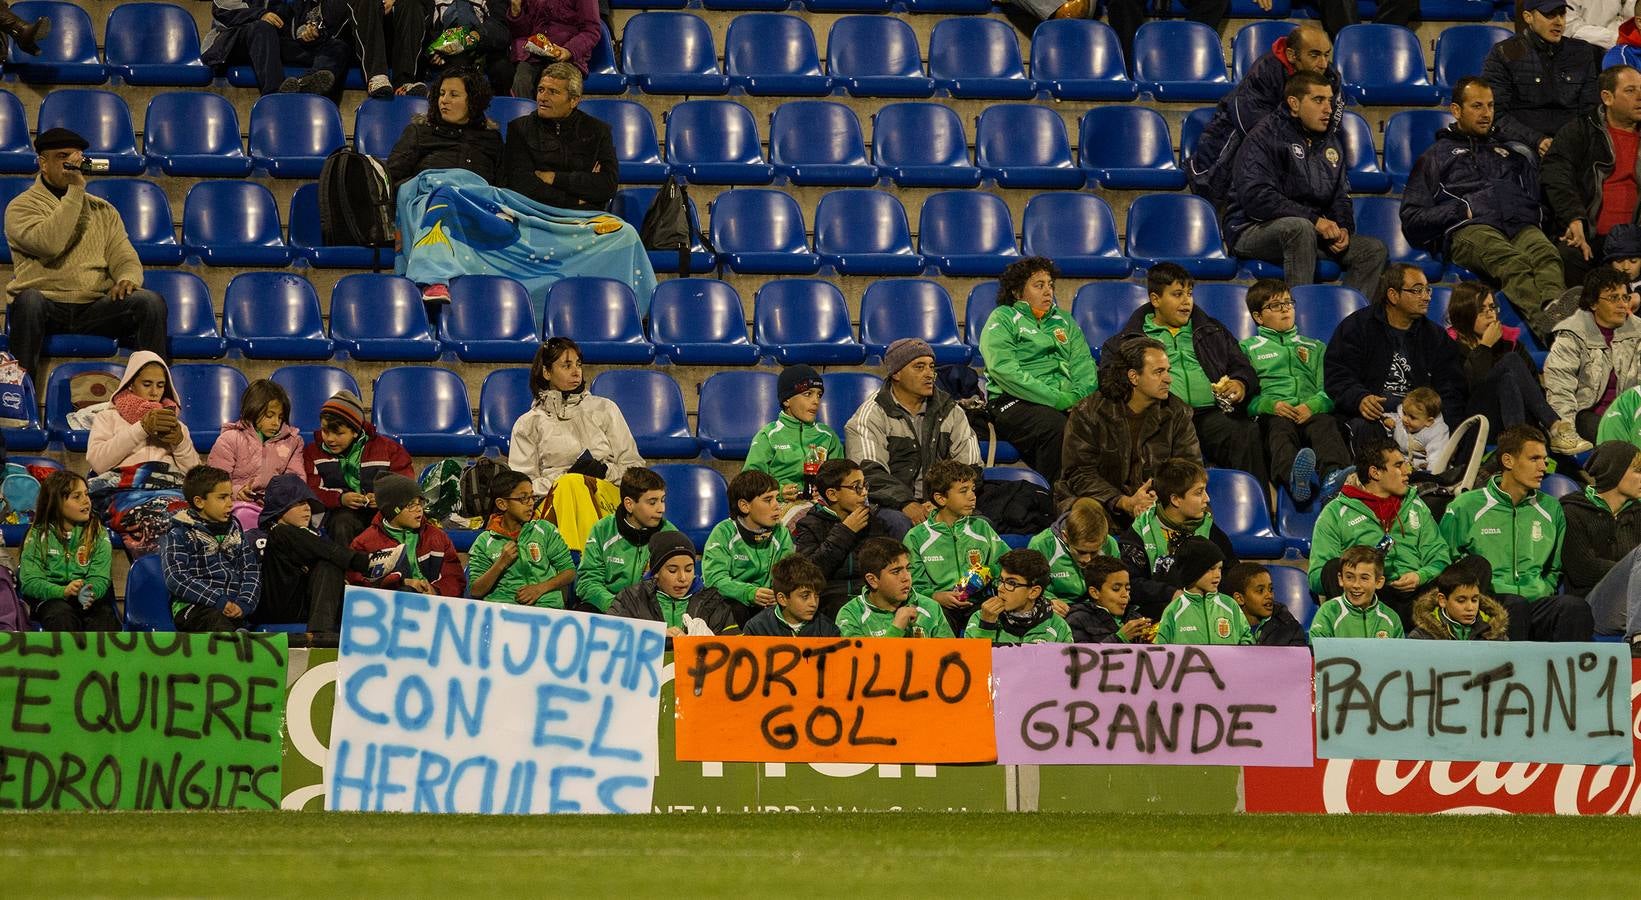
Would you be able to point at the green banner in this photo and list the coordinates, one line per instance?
(141, 721)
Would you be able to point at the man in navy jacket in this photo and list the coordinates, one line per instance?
(1291, 195)
(1475, 200)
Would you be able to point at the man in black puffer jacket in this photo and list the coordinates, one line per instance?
(1599, 554)
(1585, 197)
(1541, 80)
(559, 155)
(1291, 195)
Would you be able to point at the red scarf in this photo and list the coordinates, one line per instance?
(132, 408)
(1384, 508)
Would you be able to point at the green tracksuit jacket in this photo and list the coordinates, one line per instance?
(1521, 540)
(1416, 538)
(736, 566)
(781, 448)
(859, 618)
(943, 555)
(1203, 619)
(1290, 370)
(1339, 619)
(1052, 630)
(1622, 420)
(1044, 361)
(609, 563)
(45, 567)
(542, 555)
(1065, 576)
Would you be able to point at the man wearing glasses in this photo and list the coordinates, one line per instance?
(1380, 353)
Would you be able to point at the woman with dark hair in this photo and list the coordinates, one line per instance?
(567, 430)
(1501, 381)
(1595, 354)
(1038, 364)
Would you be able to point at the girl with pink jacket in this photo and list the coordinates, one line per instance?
(262, 444)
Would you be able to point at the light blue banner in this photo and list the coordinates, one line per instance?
(453, 705)
(1483, 701)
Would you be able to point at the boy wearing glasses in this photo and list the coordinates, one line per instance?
(1020, 613)
(1305, 443)
(430, 564)
(831, 533)
(518, 559)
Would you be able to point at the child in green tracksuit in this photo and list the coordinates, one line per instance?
(792, 447)
(64, 572)
(743, 549)
(888, 607)
(617, 553)
(518, 559)
(1357, 613)
(1200, 614)
(1020, 613)
(1305, 443)
(1073, 541)
(1622, 420)
(954, 552)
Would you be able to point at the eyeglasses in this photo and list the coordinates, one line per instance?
(1417, 290)
(1011, 584)
(527, 498)
(1489, 306)
(1277, 306)
(858, 487)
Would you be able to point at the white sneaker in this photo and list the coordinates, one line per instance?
(1564, 439)
(380, 86)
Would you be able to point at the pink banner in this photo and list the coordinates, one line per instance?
(1116, 704)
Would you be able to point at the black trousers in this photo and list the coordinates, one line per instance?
(1231, 441)
(1511, 396)
(1126, 17)
(268, 52)
(203, 619)
(1284, 438)
(303, 575)
(61, 614)
(367, 34)
(32, 318)
(1037, 431)
(344, 524)
(1561, 617)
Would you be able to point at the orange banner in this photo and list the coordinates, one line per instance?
(864, 700)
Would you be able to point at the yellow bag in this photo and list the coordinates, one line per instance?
(575, 503)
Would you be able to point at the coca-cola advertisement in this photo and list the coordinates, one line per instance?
(1390, 786)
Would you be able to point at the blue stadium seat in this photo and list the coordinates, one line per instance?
(1440, 295)
(68, 55)
(636, 146)
(977, 309)
(274, 315)
(1408, 134)
(700, 322)
(504, 397)
(212, 391)
(966, 233)
(9, 189)
(146, 214)
(896, 308)
(876, 56)
(1015, 473)
(1366, 177)
(804, 320)
(671, 53)
(29, 436)
(1326, 269)
(948, 6)
(1381, 217)
(1102, 308)
(147, 600)
(1456, 10)
(1319, 308)
(309, 385)
(819, 142)
(697, 499)
(1294, 524)
(602, 75)
(1383, 65)
(773, 54)
(154, 44)
(426, 409)
(243, 76)
(233, 223)
(632, 203)
(1253, 41)
(307, 243)
(102, 118)
(192, 317)
(844, 394)
(291, 134)
(859, 231)
(1178, 228)
(1238, 502)
(1128, 148)
(716, 142)
(381, 317)
(194, 133)
(16, 148)
(1558, 485)
(1190, 131)
(87, 345)
(1226, 302)
(978, 57)
(733, 406)
(755, 5)
(1180, 61)
(1293, 590)
(761, 231)
(1080, 59)
(1460, 50)
(834, 6)
(600, 315)
(490, 319)
(654, 409)
(922, 145)
(378, 124)
(1022, 145)
(59, 401)
(1077, 231)
(504, 111)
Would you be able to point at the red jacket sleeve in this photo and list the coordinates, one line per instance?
(452, 580)
(310, 457)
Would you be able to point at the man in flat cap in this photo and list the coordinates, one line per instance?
(74, 270)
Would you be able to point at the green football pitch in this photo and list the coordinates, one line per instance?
(86, 855)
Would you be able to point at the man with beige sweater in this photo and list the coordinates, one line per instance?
(74, 270)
